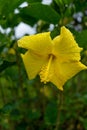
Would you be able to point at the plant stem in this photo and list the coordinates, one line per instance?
(20, 81)
(2, 94)
(60, 104)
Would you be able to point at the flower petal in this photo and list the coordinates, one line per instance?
(40, 43)
(55, 75)
(33, 63)
(65, 71)
(65, 47)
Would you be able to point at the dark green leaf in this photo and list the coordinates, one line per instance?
(6, 64)
(40, 11)
(27, 19)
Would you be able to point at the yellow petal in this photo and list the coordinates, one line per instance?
(33, 63)
(56, 78)
(65, 71)
(71, 69)
(40, 43)
(65, 47)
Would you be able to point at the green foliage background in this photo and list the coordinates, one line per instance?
(30, 105)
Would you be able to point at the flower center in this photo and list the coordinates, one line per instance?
(45, 73)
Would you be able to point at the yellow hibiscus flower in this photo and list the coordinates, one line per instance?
(54, 60)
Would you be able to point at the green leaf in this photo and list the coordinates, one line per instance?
(3, 40)
(6, 64)
(15, 115)
(59, 2)
(34, 114)
(7, 16)
(51, 113)
(8, 6)
(85, 124)
(81, 38)
(33, 1)
(40, 11)
(81, 6)
(2, 47)
(27, 19)
(7, 108)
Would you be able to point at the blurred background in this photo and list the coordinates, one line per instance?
(28, 104)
